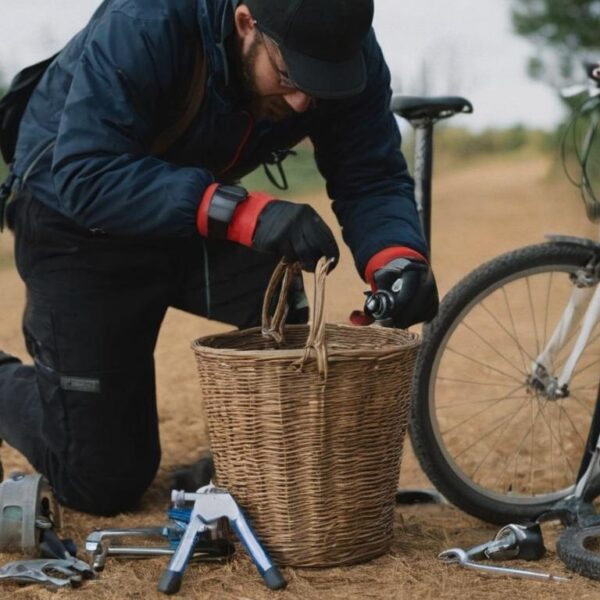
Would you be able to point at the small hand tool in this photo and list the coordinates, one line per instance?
(212, 505)
(45, 571)
(101, 544)
(461, 557)
(512, 541)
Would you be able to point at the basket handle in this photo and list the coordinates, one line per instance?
(273, 326)
(316, 335)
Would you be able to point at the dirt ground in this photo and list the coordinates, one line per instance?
(479, 211)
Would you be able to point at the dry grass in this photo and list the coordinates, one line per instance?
(479, 212)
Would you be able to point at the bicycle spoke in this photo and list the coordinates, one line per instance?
(522, 350)
(475, 415)
(482, 364)
(492, 347)
(583, 369)
(496, 442)
(532, 451)
(523, 439)
(551, 456)
(535, 331)
(512, 321)
(521, 443)
(471, 402)
(573, 425)
(547, 313)
(561, 445)
(584, 388)
(486, 433)
(515, 454)
(471, 382)
(581, 403)
(543, 408)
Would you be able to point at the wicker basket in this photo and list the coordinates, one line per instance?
(310, 448)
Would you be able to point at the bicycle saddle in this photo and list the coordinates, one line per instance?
(439, 107)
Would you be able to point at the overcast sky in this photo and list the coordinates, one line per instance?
(466, 47)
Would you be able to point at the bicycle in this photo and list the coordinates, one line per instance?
(506, 397)
(554, 358)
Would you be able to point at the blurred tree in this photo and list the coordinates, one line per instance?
(565, 32)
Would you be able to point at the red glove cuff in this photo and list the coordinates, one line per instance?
(383, 257)
(245, 217)
(243, 222)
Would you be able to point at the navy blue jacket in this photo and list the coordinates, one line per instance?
(85, 139)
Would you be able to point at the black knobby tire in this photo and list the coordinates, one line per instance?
(573, 549)
(435, 458)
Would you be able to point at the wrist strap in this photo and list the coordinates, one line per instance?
(383, 257)
(217, 207)
(230, 212)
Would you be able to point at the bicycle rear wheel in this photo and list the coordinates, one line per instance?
(488, 439)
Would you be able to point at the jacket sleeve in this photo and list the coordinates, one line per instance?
(357, 150)
(102, 171)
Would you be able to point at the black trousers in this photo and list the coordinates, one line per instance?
(85, 414)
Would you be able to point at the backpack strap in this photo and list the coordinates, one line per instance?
(14, 103)
(190, 105)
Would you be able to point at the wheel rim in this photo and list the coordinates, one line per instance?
(500, 437)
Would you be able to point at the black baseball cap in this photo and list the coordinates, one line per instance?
(320, 41)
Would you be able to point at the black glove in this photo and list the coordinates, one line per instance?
(296, 232)
(406, 293)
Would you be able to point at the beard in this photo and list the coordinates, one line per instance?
(272, 107)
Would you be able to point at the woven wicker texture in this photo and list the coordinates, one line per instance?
(310, 448)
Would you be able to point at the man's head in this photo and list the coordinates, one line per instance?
(298, 50)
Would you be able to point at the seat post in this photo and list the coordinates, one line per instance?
(423, 170)
(423, 113)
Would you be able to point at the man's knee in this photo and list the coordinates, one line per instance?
(105, 489)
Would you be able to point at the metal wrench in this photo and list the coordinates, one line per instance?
(460, 557)
(37, 571)
(100, 544)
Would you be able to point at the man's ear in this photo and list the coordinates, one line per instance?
(245, 24)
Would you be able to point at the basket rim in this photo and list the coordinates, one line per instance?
(412, 340)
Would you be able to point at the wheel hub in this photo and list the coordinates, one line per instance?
(542, 383)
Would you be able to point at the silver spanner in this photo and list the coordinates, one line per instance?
(98, 543)
(460, 557)
(36, 571)
(101, 544)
